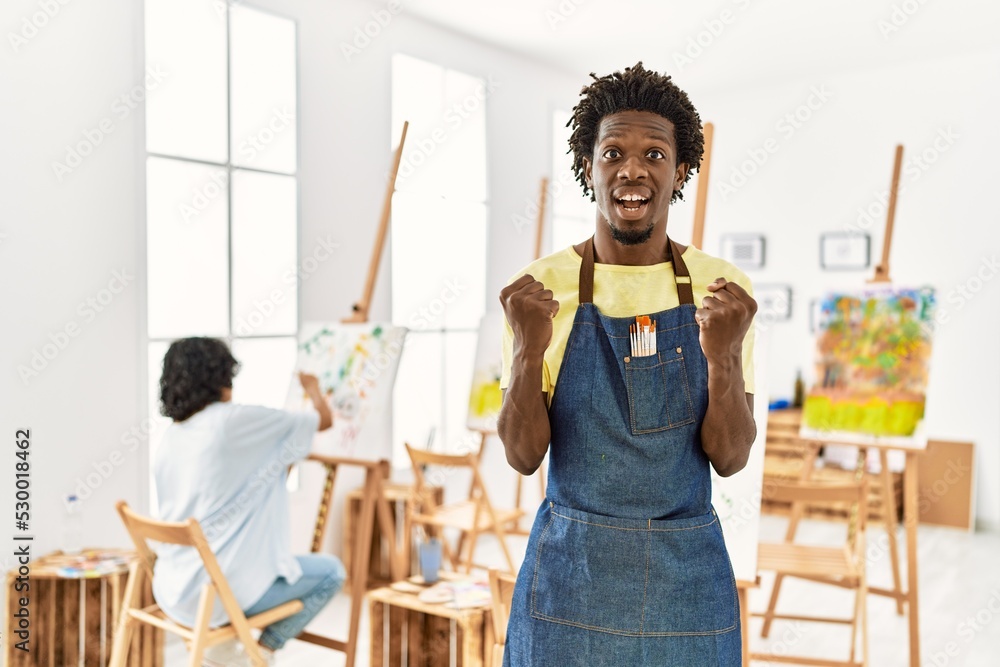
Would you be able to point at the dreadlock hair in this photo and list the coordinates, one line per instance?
(635, 89)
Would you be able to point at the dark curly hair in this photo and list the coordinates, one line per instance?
(195, 371)
(635, 89)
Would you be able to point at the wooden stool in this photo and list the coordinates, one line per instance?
(72, 619)
(406, 631)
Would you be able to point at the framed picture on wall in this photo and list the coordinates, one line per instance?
(774, 302)
(744, 250)
(844, 251)
(814, 315)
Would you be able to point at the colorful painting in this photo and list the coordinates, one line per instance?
(873, 353)
(485, 397)
(356, 365)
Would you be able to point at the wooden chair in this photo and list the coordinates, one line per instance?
(838, 566)
(200, 636)
(501, 591)
(189, 533)
(473, 516)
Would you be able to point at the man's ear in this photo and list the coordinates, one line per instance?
(588, 172)
(680, 175)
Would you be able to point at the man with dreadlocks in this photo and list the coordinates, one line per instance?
(634, 389)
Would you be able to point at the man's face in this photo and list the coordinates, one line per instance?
(634, 173)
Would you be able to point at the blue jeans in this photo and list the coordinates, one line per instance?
(322, 576)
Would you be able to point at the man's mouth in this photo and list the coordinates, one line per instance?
(631, 205)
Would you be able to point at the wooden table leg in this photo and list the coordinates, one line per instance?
(910, 520)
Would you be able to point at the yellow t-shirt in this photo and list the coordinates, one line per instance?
(619, 291)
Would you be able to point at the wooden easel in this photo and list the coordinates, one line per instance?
(361, 307)
(910, 596)
(697, 238)
(701, 199)
(373, 500)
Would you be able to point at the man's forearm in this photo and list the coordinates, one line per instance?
(523, 424)
(325, 416)
(729, 429)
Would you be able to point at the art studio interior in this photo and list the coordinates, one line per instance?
(283, 276)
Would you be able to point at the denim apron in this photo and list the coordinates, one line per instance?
(626, 563)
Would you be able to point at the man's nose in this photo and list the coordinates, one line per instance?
(632, 169)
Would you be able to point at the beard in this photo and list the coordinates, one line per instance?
(630, 236)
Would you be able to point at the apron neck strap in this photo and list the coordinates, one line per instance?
(685, 294)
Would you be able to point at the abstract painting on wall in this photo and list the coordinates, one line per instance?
(485, 397)
(873, 351)
(356, 365)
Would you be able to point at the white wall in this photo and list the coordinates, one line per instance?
(344, 125)
(838, 162)
(62, 243)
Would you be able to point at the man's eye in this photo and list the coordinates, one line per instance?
(612, 153)
(656, 154)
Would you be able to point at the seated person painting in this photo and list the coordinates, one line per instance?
(225, 465)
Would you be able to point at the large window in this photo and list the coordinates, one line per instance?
(438, 248)
(572, 213)
(221, 191)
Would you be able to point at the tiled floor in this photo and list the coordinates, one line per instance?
(959, 604)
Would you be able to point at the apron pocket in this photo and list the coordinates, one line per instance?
(691, 588)
(658, 394)
(590, 574)
(634, 577)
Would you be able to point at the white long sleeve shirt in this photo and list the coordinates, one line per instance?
(226, 467)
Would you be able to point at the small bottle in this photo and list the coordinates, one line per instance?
(800, 391)
(72, 526)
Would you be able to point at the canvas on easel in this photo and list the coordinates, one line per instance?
(485, 396)
(873, 349)
(356, 365)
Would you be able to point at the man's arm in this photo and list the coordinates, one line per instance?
(523, 424)
(729, 429)
(310, 383)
